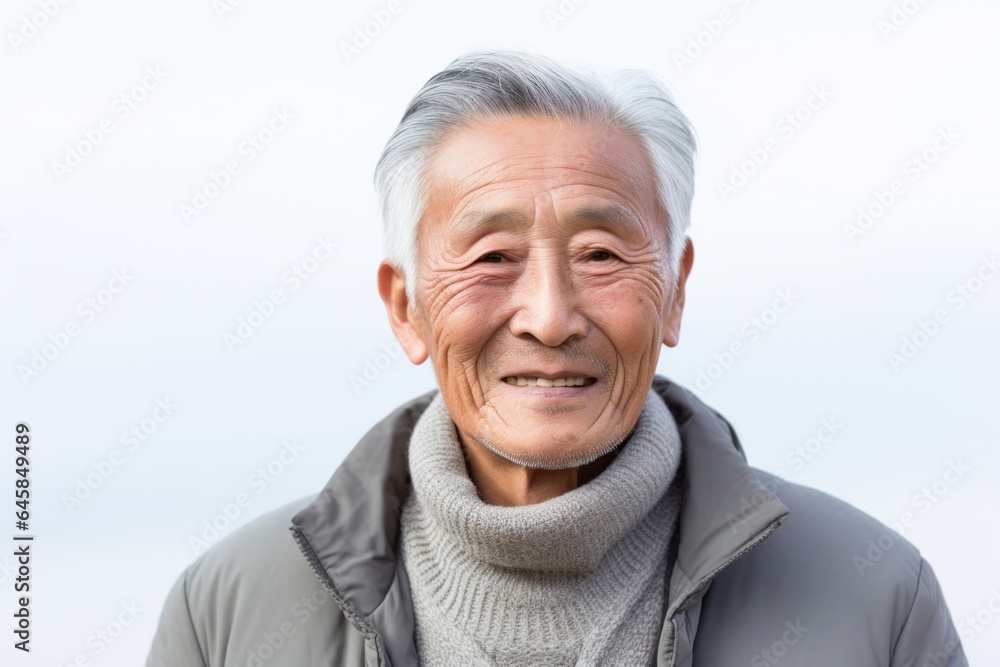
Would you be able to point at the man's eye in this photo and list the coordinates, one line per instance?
(493, 257)
(601, 255)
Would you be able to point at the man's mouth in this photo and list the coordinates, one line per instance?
(530, 381)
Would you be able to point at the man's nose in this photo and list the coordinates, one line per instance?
(548, 303)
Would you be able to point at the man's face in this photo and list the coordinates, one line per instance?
(543, 292)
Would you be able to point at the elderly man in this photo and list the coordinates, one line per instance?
(555, 502)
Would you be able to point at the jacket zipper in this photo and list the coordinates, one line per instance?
(707, 579)
(312, 557)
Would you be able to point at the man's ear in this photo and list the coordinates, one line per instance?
(402, 318)
(672, 326)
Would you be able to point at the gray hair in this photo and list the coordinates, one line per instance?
(495, 83)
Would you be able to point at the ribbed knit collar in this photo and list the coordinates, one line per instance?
(570, 533)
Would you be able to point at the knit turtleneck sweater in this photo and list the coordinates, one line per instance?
(574, 580)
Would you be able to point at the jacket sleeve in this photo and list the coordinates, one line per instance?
(175, 643)
(928, 636)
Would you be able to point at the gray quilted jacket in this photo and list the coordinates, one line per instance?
(765, 572)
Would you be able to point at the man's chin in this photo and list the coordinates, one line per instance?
(547, 457)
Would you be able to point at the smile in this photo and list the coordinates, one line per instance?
(522, 381)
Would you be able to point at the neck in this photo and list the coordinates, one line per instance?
(507, 484)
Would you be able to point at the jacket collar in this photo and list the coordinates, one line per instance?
(726, 509)
(348, 533)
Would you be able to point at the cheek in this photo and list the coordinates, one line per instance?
(465, 316)
(630, 312)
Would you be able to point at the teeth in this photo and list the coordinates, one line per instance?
(522, 381)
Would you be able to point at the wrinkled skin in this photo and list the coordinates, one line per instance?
(542, 253)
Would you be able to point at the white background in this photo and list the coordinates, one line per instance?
(162, 336)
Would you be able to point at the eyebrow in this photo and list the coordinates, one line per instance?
(484, 221)
(612, 216)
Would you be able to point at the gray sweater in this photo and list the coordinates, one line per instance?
(575, 580)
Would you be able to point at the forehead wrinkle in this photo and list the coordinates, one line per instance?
(472, 179)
